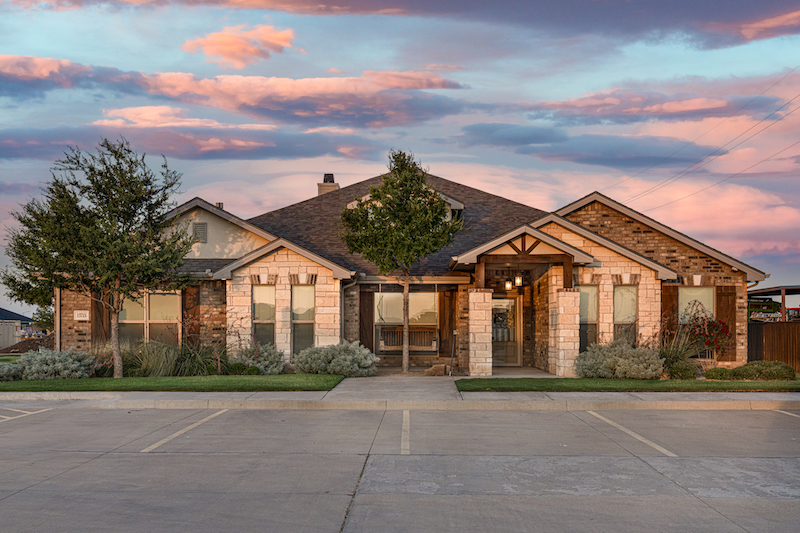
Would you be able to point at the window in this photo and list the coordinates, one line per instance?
(625, 312)
(200, 231)
(589, 310)
(688, 295)
(264, 314)
(302, 317)
(154, 316)
(422, 308)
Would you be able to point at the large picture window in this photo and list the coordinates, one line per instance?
(423, 320)
(155, 316)
(688, 295)
(626, 299)
(264, 314)
(590, 306)
(302, 317)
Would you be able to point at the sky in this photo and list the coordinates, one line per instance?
(682, 110)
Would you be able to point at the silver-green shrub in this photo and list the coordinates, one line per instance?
(266, 357)
(55, 364)
(620, 360)
(10, 372)
(348, 359)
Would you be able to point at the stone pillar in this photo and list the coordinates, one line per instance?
(567, 329)
(480, 332)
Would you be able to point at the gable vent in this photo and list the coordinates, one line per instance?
(200, 231)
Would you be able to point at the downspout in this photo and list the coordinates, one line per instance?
(57, 320)
(343, 288)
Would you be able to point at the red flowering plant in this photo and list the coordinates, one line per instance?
(705, 332)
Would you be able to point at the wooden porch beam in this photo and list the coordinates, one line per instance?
(480, 276)
(544, 258)
(568, 272)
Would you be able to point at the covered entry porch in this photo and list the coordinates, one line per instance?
(523, 308)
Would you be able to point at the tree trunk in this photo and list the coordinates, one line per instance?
(405, 323)
(117, 355)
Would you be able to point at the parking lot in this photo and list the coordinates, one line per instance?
(67, 468)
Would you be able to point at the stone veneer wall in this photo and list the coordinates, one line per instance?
(480, 332)
(75, 334)
(541, 342)
(282, 263)
(627, 272)
(352, 312)
(663, 249)
(566, 331)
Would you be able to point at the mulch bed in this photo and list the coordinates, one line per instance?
(30, 344)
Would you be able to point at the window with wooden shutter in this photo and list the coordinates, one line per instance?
(726, 312)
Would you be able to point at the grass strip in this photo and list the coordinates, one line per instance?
(10, 358)
(282, 382)
(621, 385)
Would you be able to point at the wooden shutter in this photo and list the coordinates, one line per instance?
(367, 320)
(101, 323)
(726, 312)
(190, 311)
(447, 323)
(669, 306)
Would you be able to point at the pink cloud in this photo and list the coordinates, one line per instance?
(165, 117)
(785, 24)
(58, 71)
(237, 47)
(442, 66)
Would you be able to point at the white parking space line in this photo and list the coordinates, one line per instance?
(16, 410)
(784, 412)
(634, 435)
(9, 418)
(181, 432)
(405, 446)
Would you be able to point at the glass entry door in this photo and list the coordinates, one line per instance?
(506, 349)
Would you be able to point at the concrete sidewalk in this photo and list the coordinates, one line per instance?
(391, 393)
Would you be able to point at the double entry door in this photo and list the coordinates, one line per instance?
(507, 331)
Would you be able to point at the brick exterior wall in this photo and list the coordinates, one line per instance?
(212, 312)
(480, 332)
(75, 334)
(541, 338)
(624, 270)
(282, 263)
(663, 249)
(352, 312)
(462, 326)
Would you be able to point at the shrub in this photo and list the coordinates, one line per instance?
(676, 346)
(619, 359)
(718, 373)
(764, 370)
(265, 357)
(197, 359)
(682, 370)
(10, 372)
(346, 359)
(154, 359)
(54, 364)
(236, 369)
(252, 371)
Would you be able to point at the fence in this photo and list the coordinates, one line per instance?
(775, 341)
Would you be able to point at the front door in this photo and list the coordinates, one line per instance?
(506, 348)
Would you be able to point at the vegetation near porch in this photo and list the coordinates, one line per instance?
(283, 382)
(621, 385)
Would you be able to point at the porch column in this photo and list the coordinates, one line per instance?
(567, 329)
(480, 332)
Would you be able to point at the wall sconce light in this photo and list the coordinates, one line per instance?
(518, 279)
(509, 285)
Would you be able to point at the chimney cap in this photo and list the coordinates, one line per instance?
(219, 205)
(327, 178)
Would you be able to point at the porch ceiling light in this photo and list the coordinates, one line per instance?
(518, 279)
(509, 285)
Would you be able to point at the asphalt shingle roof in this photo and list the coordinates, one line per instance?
(314, 224)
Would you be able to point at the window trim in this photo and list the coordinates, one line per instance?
(146, 321)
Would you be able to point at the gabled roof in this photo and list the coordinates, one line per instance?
(662, 272)
(196, 202)
(227, 271)
(471, 256)
(314, 224)
(5, 314)
(753, 274)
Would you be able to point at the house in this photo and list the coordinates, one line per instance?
(11, 327)
(517, 287)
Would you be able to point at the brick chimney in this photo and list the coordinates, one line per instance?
(327, 185)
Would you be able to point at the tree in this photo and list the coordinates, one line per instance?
(100, 230)
(399, 223)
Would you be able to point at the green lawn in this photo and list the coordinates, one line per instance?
(8, 358)
(283, 382)
(620, 385)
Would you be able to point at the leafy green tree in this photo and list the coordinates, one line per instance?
(43, 318)
(399, 223)
(100, 230)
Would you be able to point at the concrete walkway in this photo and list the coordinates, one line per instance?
(390, 393)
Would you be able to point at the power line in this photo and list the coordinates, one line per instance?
(689, 143)
(725, 179)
